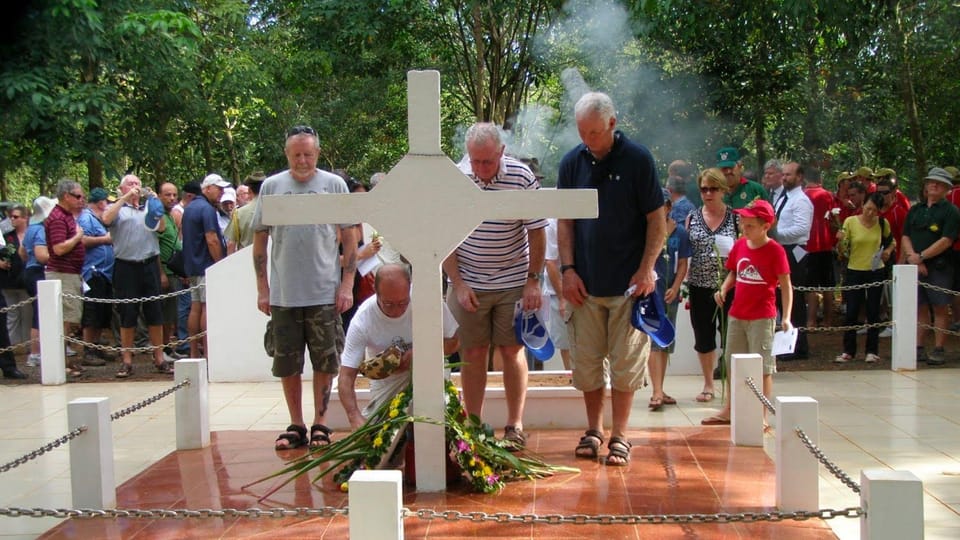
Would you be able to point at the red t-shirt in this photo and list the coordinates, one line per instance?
(897, 217)
(822, 237)
(59, 227)
(757, 272)
(954, 197)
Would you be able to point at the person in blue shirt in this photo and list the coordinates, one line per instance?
(97, 272)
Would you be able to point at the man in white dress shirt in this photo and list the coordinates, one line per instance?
(794, 213)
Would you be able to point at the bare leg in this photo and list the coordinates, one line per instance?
(193, 328)
(156, 339)
(593, 400)
(622, 402)
(940, 319)
(126, 341)
(767, 393)
(657, 363)
(514, 384)
(813, 303)
(473, 377)
(923, 316)
(293, 395)
(565, 356)
(706, 366)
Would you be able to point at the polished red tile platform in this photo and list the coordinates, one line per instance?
(672, 471)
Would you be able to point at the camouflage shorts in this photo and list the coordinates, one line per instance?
(318, 328)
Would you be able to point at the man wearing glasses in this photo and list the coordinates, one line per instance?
(307, 289)
(65, 239)
(382, 321)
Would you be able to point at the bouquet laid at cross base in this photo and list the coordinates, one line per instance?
(486, 462)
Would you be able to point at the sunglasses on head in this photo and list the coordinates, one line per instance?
(301, 130)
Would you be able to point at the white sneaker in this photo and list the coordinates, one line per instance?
(69, 351)
(33, 360)
(887, 332)
(842, 359)
(861, 331)
(872, 359)
(169, 359)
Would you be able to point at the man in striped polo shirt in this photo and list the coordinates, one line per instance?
(498, 264)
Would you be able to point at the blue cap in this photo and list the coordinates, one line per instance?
(154, 213)
(532, 333)
(650, 315)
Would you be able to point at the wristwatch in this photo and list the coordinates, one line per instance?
(533, 276)
(565, 267)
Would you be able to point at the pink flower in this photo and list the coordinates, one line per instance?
(492, 479)
(462, 446)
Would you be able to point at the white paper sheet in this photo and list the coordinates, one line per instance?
(784, 342)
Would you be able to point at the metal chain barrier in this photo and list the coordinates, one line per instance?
(832, 467)
(21, 345)
(164, 296)
(935, 329)
(763, 399)
(153, 399)
(844, 287)
(18, 305)
(43, 449)
(145, 348)
(815, 329)
(635, 519)
(134, 513)
(938, 289)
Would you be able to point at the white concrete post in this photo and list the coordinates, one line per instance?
(192, 404)
(376, 493)
(91, 454)
(903, 310)
(893, 505)
(798, 480)
(53, 367)
(746, 411)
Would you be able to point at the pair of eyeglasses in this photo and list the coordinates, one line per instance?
(391, 305)
(887, 192)
(301, 130)
(709, 189)
(15, 217)
(77, 196)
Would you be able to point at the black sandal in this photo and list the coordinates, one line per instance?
(619, 448)
(319, 435)
(295, 437)
(589, 445)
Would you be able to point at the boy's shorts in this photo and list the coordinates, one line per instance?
(316, 327)
(751, 337)
(601, 335)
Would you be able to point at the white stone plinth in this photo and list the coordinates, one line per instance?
(192, 404)
(798, 480)
(49, 302)
(376, 499)
(893, 502)
(91, 454)
(746, 412)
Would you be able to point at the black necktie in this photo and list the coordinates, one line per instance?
(783, 202)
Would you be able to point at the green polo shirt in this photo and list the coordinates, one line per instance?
(745, 193)
(927, 224)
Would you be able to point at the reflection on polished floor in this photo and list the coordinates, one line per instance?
(673, 470)
(906, 421)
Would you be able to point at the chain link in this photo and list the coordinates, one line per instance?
(163, 296)
(135, 513)
(844, 287)
(933, 287)
(21, 345)
(833, 468)
(146, 348)
(926, 326)
(763, 399)
(43, 449)
(634, 519)
(816, 329)
(152, 399)
(18, 305)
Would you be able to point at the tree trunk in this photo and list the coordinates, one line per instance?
(94, 172)
(908, 95)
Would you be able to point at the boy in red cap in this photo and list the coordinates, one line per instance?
(757, 264)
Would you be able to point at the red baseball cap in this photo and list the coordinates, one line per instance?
(758, 208)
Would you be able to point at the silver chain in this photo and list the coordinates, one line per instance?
(816, 329)
(153, 399)
(163, 296)
(935, 329)
(763, 399)
(135, 513)
(43, 449)
(844, 287)
(21, 345)
(146, 348)
(833, 468)
(634, 519)
(18, 305)
(938, 289)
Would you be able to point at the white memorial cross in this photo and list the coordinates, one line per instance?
(426, 206)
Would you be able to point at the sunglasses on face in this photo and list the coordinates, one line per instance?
(301, 130)
(709, 189)
(77, 196)
(884, 193)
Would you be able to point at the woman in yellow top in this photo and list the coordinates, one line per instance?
(867, 245)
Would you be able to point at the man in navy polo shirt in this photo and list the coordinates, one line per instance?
(600, 260)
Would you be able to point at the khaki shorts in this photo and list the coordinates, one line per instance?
(492, 323)
(72, 306)
(199, 294)
(601, 337)
(749, 337)
(316, 327)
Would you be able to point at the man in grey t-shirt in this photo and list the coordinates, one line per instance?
(308, 287)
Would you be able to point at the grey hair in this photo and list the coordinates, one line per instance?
(483, 133)
(773, 164)
(595, 103)
(66, 186)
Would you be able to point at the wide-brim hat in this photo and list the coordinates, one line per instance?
(650, 316)
(532, 333)
(938, 174)
(42, 206)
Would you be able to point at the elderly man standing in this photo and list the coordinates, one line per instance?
(307, 288)
(381, 321)
(602, 259)
(497, 265)
(65, 242)
(742, 191)
(97, 273)
(137, 272)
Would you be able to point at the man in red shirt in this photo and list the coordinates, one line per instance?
(64, 239)
(899, 197)
(820, 247)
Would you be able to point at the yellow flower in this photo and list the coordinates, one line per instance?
(393, 413)
(473, 462)
(487, 471)
(378, 442)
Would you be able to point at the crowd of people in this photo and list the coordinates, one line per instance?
(732, 247)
